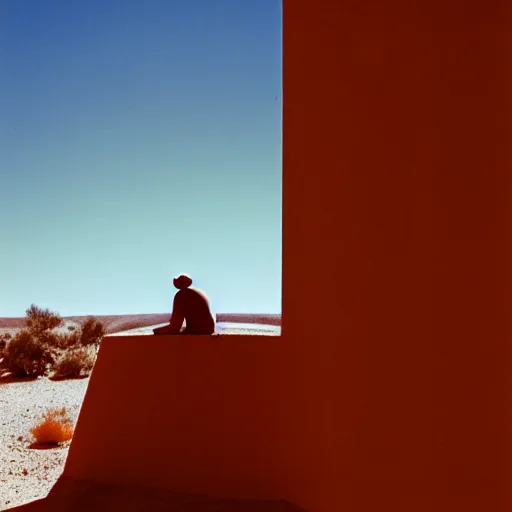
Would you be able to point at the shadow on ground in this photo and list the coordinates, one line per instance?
(8, 378)
(81, 495)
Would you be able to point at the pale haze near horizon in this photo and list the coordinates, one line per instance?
(139, 139)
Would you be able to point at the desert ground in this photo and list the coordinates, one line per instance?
(120, 323)
(28, 472)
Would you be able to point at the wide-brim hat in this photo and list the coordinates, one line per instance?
(182, 281)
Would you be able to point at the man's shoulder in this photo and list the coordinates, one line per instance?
(188, 292)
(195, 292)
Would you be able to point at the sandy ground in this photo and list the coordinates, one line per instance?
(28, 473)
(122, 323)
(220, 328)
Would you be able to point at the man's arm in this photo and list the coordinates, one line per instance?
(177, 316)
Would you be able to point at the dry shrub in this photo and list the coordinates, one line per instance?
(75, 363)
(64, 340)
(91, 332)
(27, 355)
(42, 346)
(4, 339)
(56, 427)
(41, 320)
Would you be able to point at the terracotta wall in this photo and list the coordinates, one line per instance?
(192, 413)
(389, 389)
(397, 234)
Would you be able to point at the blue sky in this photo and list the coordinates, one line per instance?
(139, 139)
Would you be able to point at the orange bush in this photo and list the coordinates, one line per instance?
(56, 427)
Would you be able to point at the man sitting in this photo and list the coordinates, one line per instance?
(190, 305)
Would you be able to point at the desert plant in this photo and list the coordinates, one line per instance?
(62, 340)
(56, 427)
(41, 320)
(27, 356)
(91, 332)
(75, 363)
(4, 339)
(40, 347)
(52, 339)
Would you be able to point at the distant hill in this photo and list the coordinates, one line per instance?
(120, 323)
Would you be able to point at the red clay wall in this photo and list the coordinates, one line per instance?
(397, 209)
(389, 389)
(192, 413)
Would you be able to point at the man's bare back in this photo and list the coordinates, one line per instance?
(192, 306)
